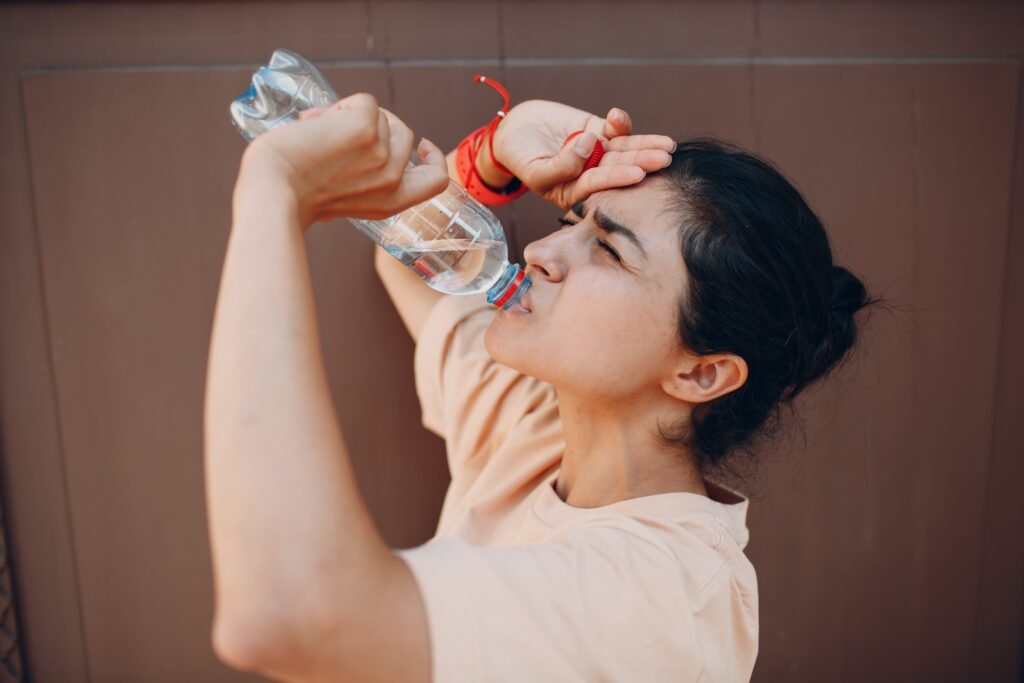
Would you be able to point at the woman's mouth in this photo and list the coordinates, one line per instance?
(521, 307)
(518, 309)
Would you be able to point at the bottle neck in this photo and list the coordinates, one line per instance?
(510, 287)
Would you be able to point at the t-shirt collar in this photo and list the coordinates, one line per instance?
(723, 503)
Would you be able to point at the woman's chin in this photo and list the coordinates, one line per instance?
(506, 344)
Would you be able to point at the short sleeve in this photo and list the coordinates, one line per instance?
(466, 397)
(593, 605)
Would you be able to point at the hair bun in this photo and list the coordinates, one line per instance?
(848, 296)
(848, 293)
(839, 334)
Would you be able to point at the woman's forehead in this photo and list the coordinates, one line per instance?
(646, 208)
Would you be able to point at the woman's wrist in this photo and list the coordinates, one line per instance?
(261, 183)
(494, 177)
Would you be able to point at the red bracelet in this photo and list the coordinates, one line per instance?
(465, 165)
(465, 158)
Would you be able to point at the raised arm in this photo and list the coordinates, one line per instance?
(301, 574)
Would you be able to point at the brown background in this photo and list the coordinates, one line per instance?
(887, 536)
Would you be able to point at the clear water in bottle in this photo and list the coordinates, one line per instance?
(452, 241)
(453, 265)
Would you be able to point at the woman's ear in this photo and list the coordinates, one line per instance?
(699, 379)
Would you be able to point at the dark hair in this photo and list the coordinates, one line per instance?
(761, 284)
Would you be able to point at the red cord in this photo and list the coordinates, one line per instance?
(468, 151)
(470, 148)
(489, 129)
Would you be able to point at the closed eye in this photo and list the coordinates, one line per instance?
(564, 222)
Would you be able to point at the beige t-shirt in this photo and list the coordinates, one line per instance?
(519, 586)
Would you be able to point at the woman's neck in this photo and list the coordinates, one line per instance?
(613, 453)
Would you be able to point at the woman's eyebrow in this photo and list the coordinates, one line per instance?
(610, 225)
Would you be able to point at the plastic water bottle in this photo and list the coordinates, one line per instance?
(453, 242)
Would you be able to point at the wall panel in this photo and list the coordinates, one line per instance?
(897, 446)
(999, 628)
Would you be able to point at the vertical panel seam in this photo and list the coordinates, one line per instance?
(756, 47)
(370, 37)
(54, 386)
(915, 225)
(389, 74)
(998, 384)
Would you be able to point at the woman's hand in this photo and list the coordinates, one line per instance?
(529, 142)
(349, 159)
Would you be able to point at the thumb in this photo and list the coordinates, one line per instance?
(567, 164)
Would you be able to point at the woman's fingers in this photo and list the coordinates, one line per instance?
(617, 123)
(359, 101)
(400, 146)
(628, 143)
(352, 159)
(348, 126)
(383, 141)
(618, 169)
(604, 178)
(398, 186)
(543, 173)
(418, 184)
(648, 159)
(431, 154)
(313, 112)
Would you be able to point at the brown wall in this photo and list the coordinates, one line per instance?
(887, 538)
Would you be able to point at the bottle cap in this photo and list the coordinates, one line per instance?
(514, 283)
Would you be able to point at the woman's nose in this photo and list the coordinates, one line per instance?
(544, 257)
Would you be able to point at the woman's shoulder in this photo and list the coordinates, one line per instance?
(697, 541)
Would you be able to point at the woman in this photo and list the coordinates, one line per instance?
(689, 292)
